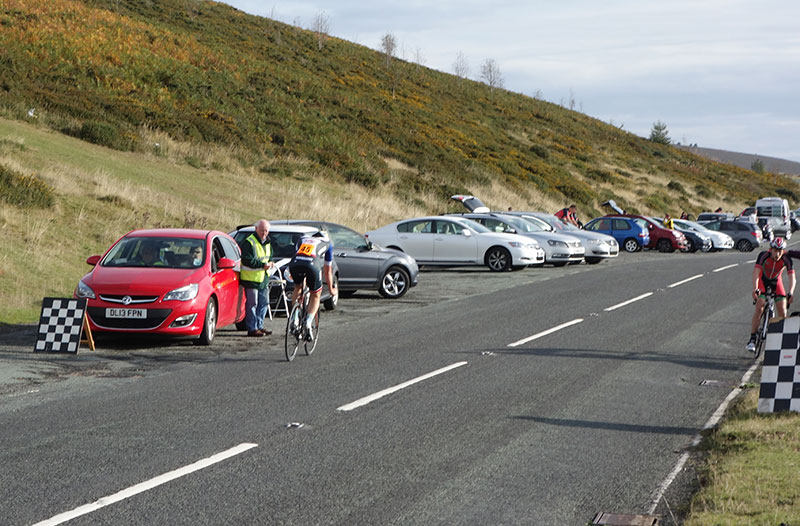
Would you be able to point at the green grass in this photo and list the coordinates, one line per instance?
(751, 473)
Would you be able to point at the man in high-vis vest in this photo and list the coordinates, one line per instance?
(254, 277)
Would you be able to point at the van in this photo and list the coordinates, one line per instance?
(776, 212)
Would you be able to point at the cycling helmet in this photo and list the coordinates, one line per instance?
(323, 233)
(778, 243)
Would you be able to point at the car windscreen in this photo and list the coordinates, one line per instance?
(163, 252)
(534, 224)
(284, 244)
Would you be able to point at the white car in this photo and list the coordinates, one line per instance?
(455, 241)
(559, 249)
(719, 240)
(598, 246)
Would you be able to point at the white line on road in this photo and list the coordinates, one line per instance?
(381, 394)
(144, 486)
(712, 421)
(720, 269)
(545, 333)
(687, 280)
(637, 298)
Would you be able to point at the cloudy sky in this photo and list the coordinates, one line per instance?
(719, 73)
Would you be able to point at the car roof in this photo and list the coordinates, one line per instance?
(172, 232)
(281, 228)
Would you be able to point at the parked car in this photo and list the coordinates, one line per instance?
(661, 238)
(597, 246)
(746, 235)
(775, 211)
(169, 282)
(558, 249)
(455, 241)
(694, 240)
(719, 240)
(283, 239)
(630, 234)
(365, 265)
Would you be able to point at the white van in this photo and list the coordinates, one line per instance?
(776, 211)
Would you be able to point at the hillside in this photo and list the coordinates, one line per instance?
(746, 160)
(121, 114)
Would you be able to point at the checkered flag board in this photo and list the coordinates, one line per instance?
(780, 374)
(60, 325)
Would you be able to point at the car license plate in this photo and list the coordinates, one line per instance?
(126, 313)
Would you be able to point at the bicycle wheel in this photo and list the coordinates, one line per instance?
(761, 335)
(292, 335)
(310, 346)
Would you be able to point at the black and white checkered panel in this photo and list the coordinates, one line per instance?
(780, 374)
(60, 325)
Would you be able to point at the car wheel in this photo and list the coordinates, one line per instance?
(394, 283)
(593, 261)
(707, 248)
(744, 245)
(664, 245)
(210, 324)
(631, 245)
(498, 259)
(330, 303)
(690, 246)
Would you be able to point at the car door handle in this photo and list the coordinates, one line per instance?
(341, 255)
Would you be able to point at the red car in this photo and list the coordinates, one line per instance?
(662, 238)
(170, 282)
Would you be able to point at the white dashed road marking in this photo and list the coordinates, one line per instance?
(637, 298)
(545, 333)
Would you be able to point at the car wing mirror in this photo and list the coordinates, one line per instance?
(226, 263)
(93, 260)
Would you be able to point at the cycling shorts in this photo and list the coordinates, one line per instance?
(313, 275)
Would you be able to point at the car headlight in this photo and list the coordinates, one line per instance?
(554, 243)
(516, 244)
(84, 291)
(189, 292)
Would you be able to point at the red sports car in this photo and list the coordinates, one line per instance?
(171, 282)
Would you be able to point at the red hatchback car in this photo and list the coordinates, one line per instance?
(170, 282)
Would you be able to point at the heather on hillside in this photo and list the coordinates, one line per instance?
(205, 72)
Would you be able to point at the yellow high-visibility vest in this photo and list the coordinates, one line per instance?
(256, 275)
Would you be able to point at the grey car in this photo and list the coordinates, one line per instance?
(364, 265)
(598, 246)
(746, 235)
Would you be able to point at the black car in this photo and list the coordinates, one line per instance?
(364, 265)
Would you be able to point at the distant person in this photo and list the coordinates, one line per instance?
(254, 277)
(510, 209)
(684, 215)
(668, 222)
(718, 210)
(568, 215)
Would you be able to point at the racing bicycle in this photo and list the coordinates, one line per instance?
(763, 325)
(296, 332)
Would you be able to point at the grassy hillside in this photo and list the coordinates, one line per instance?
(128, 113)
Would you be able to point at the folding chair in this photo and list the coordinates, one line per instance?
(277, 279)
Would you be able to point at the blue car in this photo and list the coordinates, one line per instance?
(630, 235)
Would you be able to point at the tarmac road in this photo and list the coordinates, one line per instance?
(535, 397)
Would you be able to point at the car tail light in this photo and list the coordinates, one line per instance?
(754, 233)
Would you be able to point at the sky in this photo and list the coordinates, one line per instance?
(721, 74)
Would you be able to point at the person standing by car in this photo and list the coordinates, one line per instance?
(254, 277)
(568, 215)
(668, 222)
(767, 278)
(312, 261)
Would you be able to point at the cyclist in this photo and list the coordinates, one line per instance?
(312, 261)
(767, 278)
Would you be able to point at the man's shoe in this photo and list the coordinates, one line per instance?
(265, 332)
(751, 346)
(255, 333)
(309, 330)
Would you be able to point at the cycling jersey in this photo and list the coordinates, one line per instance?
(311, 254)
(771, 271)
(564, 214)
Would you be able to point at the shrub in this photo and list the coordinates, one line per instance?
(99, 133)
(786, 194)
(27, 191)
(676, 186)
(540, 151)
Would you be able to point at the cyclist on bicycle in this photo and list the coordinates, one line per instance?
(767, 278)
(312, 261)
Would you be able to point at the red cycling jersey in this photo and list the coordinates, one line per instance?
(771, 271)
